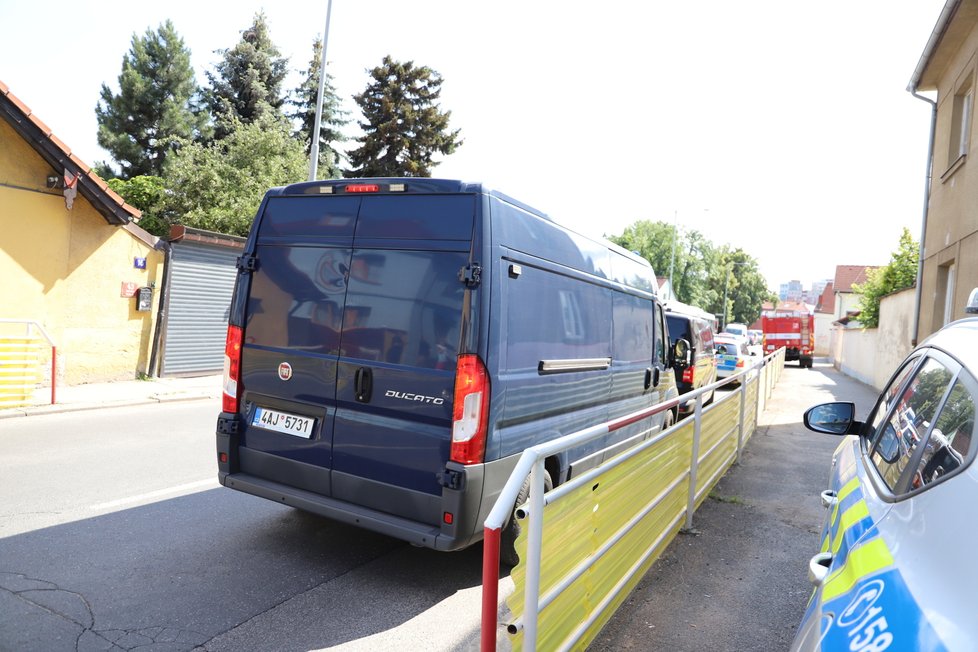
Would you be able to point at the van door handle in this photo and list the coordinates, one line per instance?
(648, 377)
(829, 498)
(363, 384)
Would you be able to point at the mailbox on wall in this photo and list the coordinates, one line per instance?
(144, 299)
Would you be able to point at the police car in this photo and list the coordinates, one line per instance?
(896, 569)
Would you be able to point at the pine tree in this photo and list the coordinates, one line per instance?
(332, 119)
(158, 102)
(248, 80)
(403, 126)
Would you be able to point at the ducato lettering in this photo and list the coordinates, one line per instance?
(420, 398)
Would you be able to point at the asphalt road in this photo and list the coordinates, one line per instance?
(114, 534)
(741, 583)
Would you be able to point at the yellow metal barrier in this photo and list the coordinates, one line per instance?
(20, 370)
(599, 533)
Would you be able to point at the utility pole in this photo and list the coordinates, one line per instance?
(314, 148)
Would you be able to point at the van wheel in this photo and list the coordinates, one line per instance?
(668, 421)
(507, 540)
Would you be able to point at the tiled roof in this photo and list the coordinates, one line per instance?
(847, 275)
(59, 156)
(826, 302)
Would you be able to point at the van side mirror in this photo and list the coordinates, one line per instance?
(681, 354)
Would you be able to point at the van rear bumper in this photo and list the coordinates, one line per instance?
(421, 534)
(306, 487)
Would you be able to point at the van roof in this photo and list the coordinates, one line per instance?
(425, 185)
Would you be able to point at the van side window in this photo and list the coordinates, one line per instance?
(633, 329)
(552, 316)
(659, 347)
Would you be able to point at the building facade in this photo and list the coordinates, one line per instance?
(946, 78)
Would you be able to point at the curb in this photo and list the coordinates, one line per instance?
(61, 408)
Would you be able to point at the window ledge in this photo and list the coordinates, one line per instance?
(958, 162)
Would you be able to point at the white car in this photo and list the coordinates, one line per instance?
(896, 568)
(733, 355)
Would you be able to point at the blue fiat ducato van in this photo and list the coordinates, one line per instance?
(395, 344)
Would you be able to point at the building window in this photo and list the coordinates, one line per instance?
(960, 140)
(946, 280)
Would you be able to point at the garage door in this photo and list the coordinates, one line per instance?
(200, 283)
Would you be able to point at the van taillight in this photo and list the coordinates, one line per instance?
(232, 369)
(688, 375)
(470, 412)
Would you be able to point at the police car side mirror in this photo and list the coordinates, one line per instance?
(832, 419)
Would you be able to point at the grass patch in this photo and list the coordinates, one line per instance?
(732, 500)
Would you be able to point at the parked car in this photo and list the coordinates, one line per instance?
(732, 354)
(700, 369)
(754, 336)
(734, 328)
(895, 570)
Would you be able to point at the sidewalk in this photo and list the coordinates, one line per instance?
(92, 396)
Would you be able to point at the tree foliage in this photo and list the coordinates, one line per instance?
(403, 126)
(218, 186)
(900, 273)
(332, 119)
(700, 270)
(156, 107)
(247, 83)
(148, 194)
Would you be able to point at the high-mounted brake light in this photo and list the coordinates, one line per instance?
(470, 412)
(232, 369)
(362, 187)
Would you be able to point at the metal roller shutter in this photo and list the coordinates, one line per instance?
(200, 285)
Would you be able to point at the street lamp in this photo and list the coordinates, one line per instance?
(726, 282)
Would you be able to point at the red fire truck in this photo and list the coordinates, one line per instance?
(794, 330)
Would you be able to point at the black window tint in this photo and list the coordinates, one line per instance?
(633, 323)
(678, 328)
(296, 297)
(549, 316)
(950, 440)
(889, 395)
(313, 215)
(404, 307)
(429, 217)
(907, 427)
(659, 348)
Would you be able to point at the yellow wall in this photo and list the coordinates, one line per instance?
(65, 269)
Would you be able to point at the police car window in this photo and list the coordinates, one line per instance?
(890, 394)
(910, 421)
(951, 439)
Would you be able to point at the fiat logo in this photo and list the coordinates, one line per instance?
(285, 371)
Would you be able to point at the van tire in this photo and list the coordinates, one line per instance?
(668, 421)
(507, 540)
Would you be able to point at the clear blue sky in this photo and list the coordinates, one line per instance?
(780, 127)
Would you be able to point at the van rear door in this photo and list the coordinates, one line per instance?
(371, 323)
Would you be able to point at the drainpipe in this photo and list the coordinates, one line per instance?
(923, 225)
(937, 34)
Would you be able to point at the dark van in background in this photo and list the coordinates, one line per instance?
(395, 344)
(697, 327)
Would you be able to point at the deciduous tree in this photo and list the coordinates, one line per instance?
(218, 186)
(900, 273)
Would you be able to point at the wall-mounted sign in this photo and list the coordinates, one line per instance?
(139, 263)
(129, 289)
(144, 301)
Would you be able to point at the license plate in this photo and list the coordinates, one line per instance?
(290, 424)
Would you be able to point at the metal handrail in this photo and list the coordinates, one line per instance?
(531, 463)
(31, 324)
